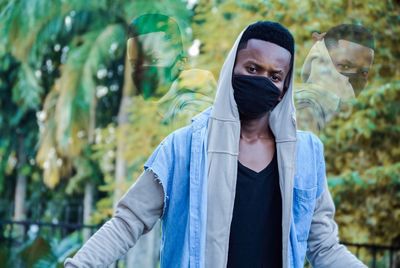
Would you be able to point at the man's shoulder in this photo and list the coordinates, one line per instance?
(183, 134)
(308, 138)
(309, 146)
(201, 119)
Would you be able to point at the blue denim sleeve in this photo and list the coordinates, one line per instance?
(160, 163)
(323, 247)
(321, 170)
(160, 160)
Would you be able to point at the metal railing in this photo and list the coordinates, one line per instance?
(60, 230)
(375, 256)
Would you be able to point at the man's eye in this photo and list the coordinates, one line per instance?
(275, 78)
(364, 73)
(252, 69)
(344, 66)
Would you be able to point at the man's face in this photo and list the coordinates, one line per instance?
(153, 67)
(352, 60)
(262, 58)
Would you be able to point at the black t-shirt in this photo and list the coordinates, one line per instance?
(256, 231)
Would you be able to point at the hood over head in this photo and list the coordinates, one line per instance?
(319, 69)
(223, 149)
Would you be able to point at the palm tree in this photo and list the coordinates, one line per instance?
(69, 125)
(74, 109)
(69, 47)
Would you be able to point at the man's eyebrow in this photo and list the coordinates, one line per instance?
(260, 65)
(255, 62)
(346, 61)
(277, 71)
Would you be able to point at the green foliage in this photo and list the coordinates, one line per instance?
(59, 250)
(302, 18)
(20, 99)
(41, 252)
(141, 135)
(8, 76)
(363, 160)
(22, 20)
(27, 94)
(85, 169)
(33, 251)
(73, 98)
(190, 94)
(364, 136)
(77, 85)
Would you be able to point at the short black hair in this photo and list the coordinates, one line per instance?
(268, 31)
(350, 32)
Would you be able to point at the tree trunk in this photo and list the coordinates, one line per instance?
(87, 208)
(19, 199)
(123, 119)
(89, 186)
(20, 189)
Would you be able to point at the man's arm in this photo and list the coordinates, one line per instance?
(136, 213)
(323, 249)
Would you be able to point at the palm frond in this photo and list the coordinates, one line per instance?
(21, 20)
(48, 157)
(59, 31)
(27, 93)
(78, 85)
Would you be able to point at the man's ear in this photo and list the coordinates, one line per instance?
(132, 50)
(317, 36)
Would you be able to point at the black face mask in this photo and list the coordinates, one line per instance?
(254, 95)
(357, 81)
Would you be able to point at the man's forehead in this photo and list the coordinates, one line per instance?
(352, 51)
(266, 52)
(350, 45)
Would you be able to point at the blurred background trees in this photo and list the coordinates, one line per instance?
(75, 132)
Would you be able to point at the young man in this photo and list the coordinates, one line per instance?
(335, 71)
(239, 187)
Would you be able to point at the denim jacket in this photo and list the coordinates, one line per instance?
(179, 164)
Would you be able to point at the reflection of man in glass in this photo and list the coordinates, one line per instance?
(335, 70)
(155, 51)
(156, 55)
